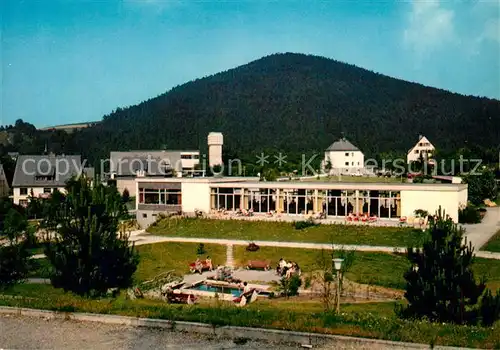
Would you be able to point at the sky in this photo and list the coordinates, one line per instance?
(68, 61)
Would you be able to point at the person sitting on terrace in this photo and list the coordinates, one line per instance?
(246, 288)
(208, 263)
(291, 270)
(198, 266)
(281, 266)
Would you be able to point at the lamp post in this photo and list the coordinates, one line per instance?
(337, 263)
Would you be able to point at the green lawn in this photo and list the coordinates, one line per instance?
(41, 268)
(493, 244)
(371, 320)
(162, 257)
(158, 258)
(380, 269)
(283, 231)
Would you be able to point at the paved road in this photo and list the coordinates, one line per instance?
(36, 333)
(20, 332)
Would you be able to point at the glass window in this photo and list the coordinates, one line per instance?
(23, 191)
(347, 154)
(347, 163)
(47, 190)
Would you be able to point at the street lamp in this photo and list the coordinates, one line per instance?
(337, 263)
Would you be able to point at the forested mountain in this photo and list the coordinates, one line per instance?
(293, 103)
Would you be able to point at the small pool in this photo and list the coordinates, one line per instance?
(217, 289)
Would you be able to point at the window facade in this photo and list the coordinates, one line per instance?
(47, 190)
(23, 191)
(335, 203)
(162, 196)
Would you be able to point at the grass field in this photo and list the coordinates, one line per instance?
(283, 231)
(493, 244)
(371, 320)
(162, 257)
(379, 269)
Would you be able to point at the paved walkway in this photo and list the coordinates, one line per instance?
(479, 234)
(141, 238)
(150, 239)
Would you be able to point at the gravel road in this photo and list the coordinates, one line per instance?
(37, 333)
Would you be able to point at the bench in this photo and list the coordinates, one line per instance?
(259, 265)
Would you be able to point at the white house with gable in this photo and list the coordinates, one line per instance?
(342, 157)
(422, 148)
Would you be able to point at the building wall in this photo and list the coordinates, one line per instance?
(190, 163)
(128, 183)
(423, 146)
(147, 217)
(431, 200)
(4, 187)
(36, 192)
(195, 196)
(346, 161)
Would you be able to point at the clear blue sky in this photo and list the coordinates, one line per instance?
(69, 61)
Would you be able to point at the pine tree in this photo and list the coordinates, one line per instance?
(440, 284)
(87, 253)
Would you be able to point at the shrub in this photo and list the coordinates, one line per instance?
(300, 225)
(15, 257)
(201, 249)
(490, 308)
(252, 247)
(469, 215)
(289, 287)
(421, 213)
(125, 196)
(307, 282)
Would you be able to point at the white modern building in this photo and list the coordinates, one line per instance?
(389, 201)
(343, 158)
(423, 148)
(125, 167)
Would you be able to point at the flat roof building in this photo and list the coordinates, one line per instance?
(389, 201)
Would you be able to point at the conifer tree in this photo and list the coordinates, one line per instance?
(87, 253)
(440, 283)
